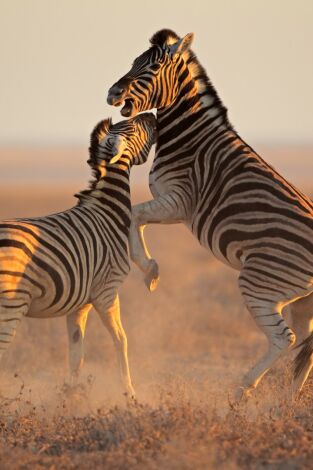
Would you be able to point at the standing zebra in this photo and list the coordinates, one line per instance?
(64, 263)
(237, 205)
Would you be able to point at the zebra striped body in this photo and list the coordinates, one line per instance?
(207, 177)
(63, 263)
(71, 254)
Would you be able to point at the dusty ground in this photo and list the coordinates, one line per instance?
(190, 342)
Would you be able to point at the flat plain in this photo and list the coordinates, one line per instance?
(190, 342)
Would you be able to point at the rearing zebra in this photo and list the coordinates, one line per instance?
(64, 263)
(237, 205)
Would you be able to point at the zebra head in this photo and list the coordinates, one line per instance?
(127, 141)
(153, 80)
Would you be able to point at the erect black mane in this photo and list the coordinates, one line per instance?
(99, 132)
(199, 74)
(162, 36)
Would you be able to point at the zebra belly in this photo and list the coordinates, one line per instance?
(235, 254)
(60, 299)
(282, 264)
(36, 312)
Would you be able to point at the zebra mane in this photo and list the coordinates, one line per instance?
(197, 71)
(164, 36)
(99, 132)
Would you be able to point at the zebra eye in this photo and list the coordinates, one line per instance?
(155, 67)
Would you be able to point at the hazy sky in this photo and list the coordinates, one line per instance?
(59, 57)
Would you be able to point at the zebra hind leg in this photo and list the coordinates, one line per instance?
(267, 315)
(280, 338)
(109, 311)
(11, 314)
(76, 324)
(301, 313)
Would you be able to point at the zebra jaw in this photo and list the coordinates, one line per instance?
(128, 110)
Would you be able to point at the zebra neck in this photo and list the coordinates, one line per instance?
(110, 190)
(196, 107)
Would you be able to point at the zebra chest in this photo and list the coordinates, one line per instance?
(157, 186)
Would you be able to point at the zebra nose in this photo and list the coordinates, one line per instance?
(115, 95)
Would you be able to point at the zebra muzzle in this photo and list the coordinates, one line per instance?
(115, 96)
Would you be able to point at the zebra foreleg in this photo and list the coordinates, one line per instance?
(166, 210)
(301, 313)
(76, 324)
(109, 312)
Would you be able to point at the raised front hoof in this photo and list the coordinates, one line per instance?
(152, 276)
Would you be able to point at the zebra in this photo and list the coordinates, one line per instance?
(65, 263)
(206, 176)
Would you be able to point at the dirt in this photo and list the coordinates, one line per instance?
(190, 342)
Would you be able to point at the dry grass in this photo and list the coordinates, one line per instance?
(176, 432)
(189, 345)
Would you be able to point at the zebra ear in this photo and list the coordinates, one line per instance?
(182, 45)
(118, 149)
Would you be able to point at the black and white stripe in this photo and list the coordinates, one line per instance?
(207, 177)
(64, 263)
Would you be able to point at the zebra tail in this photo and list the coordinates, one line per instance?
(304, 356)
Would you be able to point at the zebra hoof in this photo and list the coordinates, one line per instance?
(130, 395)
(152, 276)
(242, 394)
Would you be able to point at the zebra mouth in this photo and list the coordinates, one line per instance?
(127, 109)
(117, 103)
